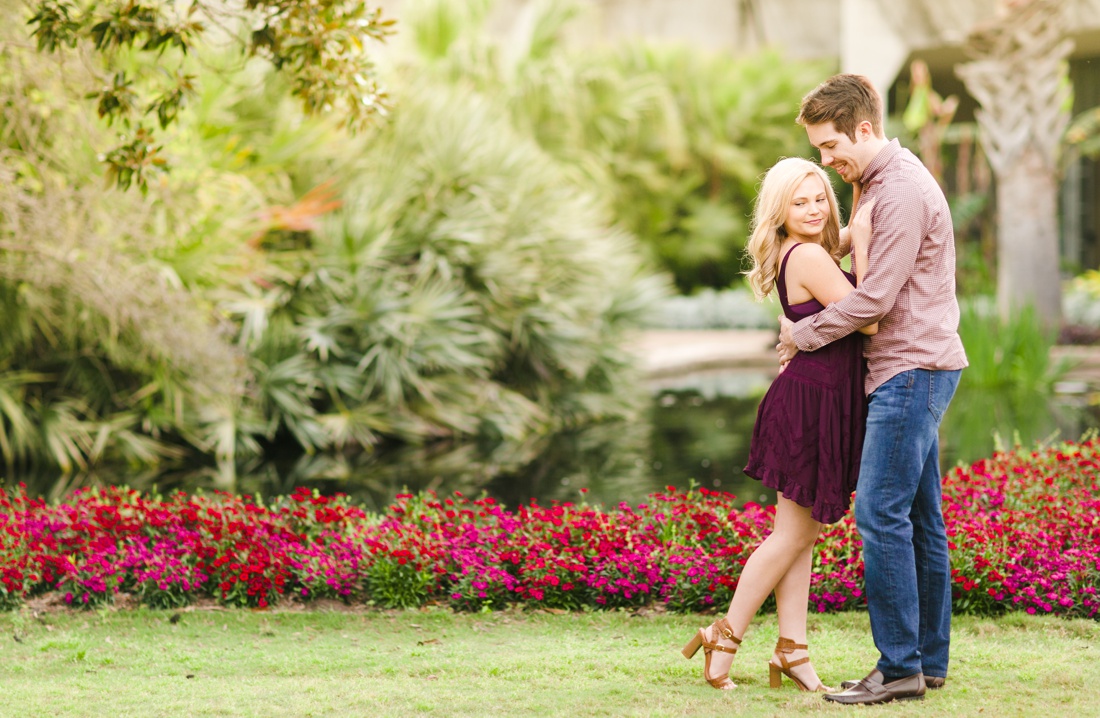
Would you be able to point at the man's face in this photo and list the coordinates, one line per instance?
(838, 151)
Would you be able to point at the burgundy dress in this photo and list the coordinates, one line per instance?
(808, 435)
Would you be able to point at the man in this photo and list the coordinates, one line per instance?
(914, 364)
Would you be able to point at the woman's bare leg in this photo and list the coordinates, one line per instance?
(789, 543)
(792, 594)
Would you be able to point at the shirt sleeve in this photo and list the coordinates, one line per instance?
(897, 229)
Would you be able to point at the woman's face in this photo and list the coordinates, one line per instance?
(808, 211)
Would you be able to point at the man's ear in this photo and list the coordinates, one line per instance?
(866, 130)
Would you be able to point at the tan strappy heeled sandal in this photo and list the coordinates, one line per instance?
(722, 627)
(776, 673)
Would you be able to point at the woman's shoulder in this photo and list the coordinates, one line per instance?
(808, 254)
(809, 262)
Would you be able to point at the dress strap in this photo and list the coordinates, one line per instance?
(781, 278)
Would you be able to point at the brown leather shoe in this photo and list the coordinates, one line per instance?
(932, 682)
(872, 690)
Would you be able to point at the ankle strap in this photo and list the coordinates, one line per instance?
(786, 645)
(725, 631)
(722, 627)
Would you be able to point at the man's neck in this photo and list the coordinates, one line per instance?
(877, 144)
(872, 149)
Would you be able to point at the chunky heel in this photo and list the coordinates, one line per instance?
(776, 672)
(699, 640)
(693, 645)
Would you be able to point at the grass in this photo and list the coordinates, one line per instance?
(434, 662)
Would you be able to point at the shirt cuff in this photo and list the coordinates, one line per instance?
(804, 337)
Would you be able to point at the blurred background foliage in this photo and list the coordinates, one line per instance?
(470, 266)
(289, 286)
(674, 138)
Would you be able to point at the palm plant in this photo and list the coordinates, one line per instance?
(466, 287)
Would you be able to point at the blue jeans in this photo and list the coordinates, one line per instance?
(898, 511)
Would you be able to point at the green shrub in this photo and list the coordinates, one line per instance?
(466, 287)
(397, 579)
(105, 353)
(1006, 355)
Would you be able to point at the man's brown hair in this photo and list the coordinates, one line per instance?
(844, 100)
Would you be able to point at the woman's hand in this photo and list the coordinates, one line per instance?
(845, 234)
(860, 228)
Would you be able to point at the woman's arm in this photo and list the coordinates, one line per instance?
(814, 271)
(860, 232)
(860, 229)
(845, 232)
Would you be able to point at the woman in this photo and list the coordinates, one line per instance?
(809, 427)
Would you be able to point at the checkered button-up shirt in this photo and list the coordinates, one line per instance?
(909, 285)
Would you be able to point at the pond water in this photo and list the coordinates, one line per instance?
(695, 432)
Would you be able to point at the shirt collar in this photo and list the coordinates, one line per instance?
(887, 153)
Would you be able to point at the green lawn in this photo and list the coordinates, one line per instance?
(434, 662)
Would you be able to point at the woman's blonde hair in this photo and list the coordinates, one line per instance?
(770, 213)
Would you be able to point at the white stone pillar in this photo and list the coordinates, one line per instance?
(870, 45)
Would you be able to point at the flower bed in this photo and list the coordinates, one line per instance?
(1024, 531)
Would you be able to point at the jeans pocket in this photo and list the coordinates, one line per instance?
(941, 389)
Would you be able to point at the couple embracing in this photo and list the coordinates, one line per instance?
(869, 362)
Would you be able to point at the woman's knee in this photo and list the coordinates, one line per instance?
(796, 538)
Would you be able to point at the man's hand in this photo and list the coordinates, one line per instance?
(785, 348)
